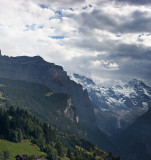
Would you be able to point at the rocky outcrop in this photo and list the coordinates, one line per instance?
(69, 112)
(54, 108)
(35, 69)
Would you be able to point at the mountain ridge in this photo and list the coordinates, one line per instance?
(117, 107)
(35, 69)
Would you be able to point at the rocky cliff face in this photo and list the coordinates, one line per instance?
(35, 69)
(69, 112)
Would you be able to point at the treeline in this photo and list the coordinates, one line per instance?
(17, 125)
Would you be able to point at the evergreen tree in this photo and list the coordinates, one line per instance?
(1, 156)
(51, 153)
(69, 153)
(20, 135)
(6, 154)
(60, 149)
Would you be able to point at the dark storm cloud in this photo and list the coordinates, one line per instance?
(137, 21)
(136, 2)
(90, 43)
(133, 62)
(96, 19)
(134, 68)
(130, 51)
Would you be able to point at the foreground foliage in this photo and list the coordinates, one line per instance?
(17, 125)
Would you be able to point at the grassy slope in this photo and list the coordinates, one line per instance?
(20, 148)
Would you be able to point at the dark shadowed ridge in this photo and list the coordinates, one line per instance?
(135, 140)
(35, 69)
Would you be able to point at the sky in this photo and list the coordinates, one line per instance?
(107, 40)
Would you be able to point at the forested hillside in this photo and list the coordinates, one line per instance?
(39, 100)
(17, 125)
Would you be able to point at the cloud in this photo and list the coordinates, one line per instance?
(60, 3)
(104, 65)
(125, 2)
(136, 2)
(107, 40)
(133, 22)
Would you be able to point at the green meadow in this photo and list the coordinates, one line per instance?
(25, 147)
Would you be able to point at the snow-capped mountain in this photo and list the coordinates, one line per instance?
(118, 106)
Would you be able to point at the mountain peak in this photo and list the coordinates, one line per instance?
(83, 79)
(135, 83)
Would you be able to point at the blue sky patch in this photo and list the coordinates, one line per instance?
(71, 9)
(57, 37)
(43, 6)
(84, 8)
(59, 12)
(118, 35)
(141, 35)
(41, 26)
(30, 27)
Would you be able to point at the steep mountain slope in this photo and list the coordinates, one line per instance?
(135, 140)
(39, 100)
(116, 107)
(35, 69)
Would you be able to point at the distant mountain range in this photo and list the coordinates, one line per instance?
(117, 107)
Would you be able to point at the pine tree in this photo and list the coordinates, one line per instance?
(69, 153)
(59, 148)
(6, 154)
